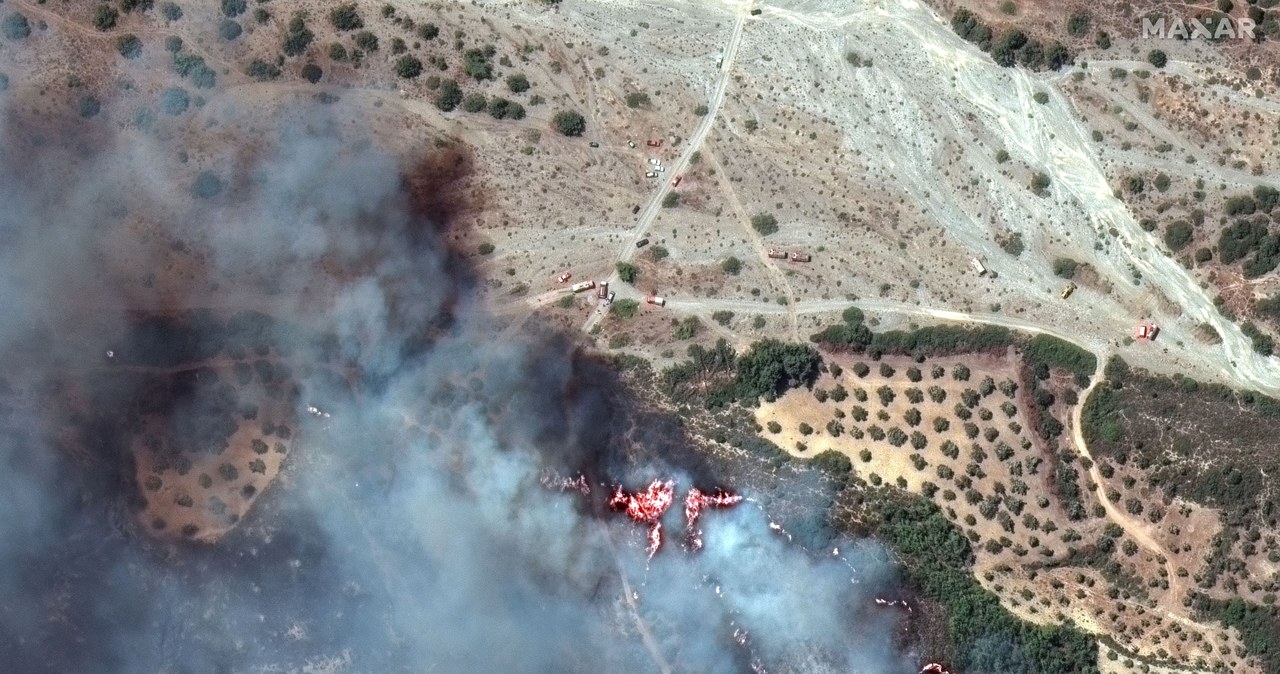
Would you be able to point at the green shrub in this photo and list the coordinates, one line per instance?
(448, 96)
(367, 41)
(428, 31)
(298, 36)
(517, 83)
(627, 272)
(346, 17)
(229, 30)
(173, 44)
(105, 17)
(89, 106)
(1177, 235)
(171, 11)
(1053, 352)
(501, 108)
(129, 46)
(569, 123)
(233, 8)
(637, 99)
(312, 73)
(262, 71)
(1157, 58)
(1262, 342)
(16, 26)
(478, 63)
(207, 185)
(474, 102)
(1078, 23)
(1065, 267)
(174, 100)
(764, 223)
(625, 308)
(1039, 183)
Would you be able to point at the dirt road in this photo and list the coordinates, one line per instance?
(628, 248)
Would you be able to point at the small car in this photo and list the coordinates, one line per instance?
(594, 144)
(609, 299)
(564, 278)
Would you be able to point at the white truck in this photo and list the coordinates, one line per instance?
(654, 299)
(581, 287)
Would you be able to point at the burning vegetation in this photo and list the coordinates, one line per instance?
(649, 505)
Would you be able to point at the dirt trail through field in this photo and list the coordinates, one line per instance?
(1134, 529)
(650, 213)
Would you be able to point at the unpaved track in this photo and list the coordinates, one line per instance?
(1134, 529)
(779, 278)
(926, 75)
(628, 249)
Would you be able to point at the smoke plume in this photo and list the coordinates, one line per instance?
(409, 530)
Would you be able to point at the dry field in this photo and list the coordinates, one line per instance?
(995, 478)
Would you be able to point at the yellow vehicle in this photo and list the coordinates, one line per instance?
(1066, 292)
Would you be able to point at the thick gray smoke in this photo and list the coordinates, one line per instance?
(409, 531)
